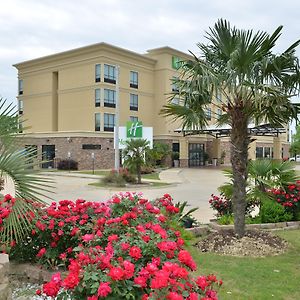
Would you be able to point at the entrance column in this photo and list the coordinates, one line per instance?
(277, 146)
(184, 153)
(252, 150)
(216, 150)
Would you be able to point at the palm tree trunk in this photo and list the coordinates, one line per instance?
(139, 176)
(239, 161)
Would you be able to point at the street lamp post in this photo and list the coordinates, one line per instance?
(69, 160)
(93, 159)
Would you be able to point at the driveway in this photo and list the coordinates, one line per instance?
(192, 185)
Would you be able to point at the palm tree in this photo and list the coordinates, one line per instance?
(18, 164)
(134, 156)
(257, 86)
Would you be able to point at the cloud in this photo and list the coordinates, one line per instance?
(31, 29)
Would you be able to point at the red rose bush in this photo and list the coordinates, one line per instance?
(122, 249)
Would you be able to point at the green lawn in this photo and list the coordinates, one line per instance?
(153, 184)
(276, 277)
(152, 176)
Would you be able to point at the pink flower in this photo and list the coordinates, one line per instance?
(42, 252)
(104, 289)
(87, 237)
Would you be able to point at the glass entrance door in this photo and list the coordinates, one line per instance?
(48, 155)
(196, 155)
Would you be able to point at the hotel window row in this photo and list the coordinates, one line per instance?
(108, 124)
(110, 99)
(109, 121)
(111, 77)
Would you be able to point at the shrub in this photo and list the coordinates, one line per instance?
(226, 220)
(147, 170)
(221, 204)
(272, 212)
(289, 198)
(121, 249)
(67, 164)
(119, 179)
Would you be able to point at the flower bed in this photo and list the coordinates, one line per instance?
(125, 248)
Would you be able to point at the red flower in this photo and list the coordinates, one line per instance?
(141, 281)
(51, 289)
(185, 258)
(174, 296)
(104, 289)
(41, 252)
(135, 252)
(116, 273)
(71, 281)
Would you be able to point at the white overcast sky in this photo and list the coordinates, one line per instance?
(34, 28)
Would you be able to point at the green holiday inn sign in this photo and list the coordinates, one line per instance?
(134, 129)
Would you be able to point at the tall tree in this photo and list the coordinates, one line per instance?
(134, 156)
(256, 84)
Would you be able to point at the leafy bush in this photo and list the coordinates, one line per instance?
(119, 179)
(221, 204)
(272, 212)
(121, 249)
(289, 198)
(147, 169)
(67, 164)
(226, 220)
(224, 206)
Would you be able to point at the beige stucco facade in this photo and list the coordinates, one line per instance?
(57, 96)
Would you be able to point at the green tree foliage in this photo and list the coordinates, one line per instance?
(295, 145)
(158, 154)
(18, 164)
(263, 174)
(134, 156)
(256, 85)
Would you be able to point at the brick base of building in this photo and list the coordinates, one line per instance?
(104, 153)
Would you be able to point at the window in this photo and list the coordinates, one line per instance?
(134, 102)
(97, 122)
(109, 122)
(264, 152)
(208, 114)
(134, 79)
(109, 74)
(175, 85)
(20, 107)
(219, 113)
(97, 97)
(20, 87)
(133, 119)
(109, 98)
(97, 73)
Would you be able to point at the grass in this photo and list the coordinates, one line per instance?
(247, 278)
(153, 184)
(152, 176)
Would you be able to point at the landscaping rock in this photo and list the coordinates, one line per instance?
(255, 244)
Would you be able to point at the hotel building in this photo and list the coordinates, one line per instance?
(68, 100)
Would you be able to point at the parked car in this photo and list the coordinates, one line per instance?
(295, 158)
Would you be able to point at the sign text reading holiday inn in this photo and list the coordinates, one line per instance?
(134, 130)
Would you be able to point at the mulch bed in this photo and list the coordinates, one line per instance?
(255, 244)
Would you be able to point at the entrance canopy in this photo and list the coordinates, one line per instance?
(224, 130)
